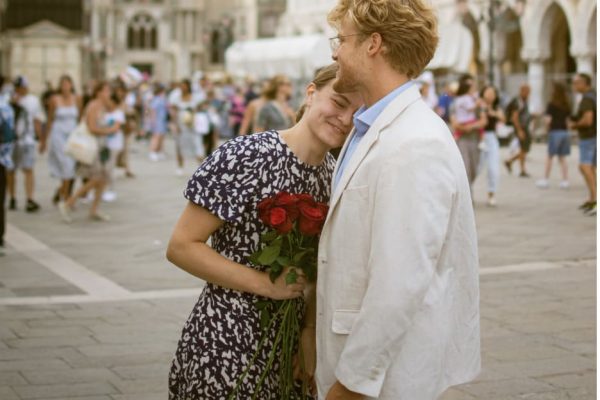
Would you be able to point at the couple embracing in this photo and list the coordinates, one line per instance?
(394, 313)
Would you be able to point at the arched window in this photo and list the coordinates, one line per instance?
(142, 33)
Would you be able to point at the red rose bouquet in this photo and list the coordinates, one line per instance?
(295, 222)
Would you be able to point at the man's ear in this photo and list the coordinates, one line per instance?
(375, 44)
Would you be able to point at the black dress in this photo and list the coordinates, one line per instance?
(221, 334)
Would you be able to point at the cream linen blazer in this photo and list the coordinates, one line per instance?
(398, 286)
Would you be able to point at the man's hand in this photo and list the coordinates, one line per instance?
(339, 392)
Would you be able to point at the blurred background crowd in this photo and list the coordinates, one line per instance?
(506, 73)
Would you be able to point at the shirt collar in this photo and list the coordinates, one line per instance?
(365, 117)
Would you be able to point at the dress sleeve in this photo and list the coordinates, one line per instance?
(225, 182)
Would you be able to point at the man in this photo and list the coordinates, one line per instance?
(397, 313)
(519, 117)
(24, 153)
(585, 123)
(7, 137)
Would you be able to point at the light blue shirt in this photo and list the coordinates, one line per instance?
(363, 119)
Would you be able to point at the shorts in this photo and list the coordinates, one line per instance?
(587, 151)
(559, 143)
(525, 143)
(24, 156)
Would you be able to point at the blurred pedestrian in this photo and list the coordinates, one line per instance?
(556, 118)
(7, 138)
(115, 142)
(248, 125)
(24, 153)
(519, 117)
(468, 122)
(585, 122)
(159, 111)
(236, 111)
(490, 156)
(119, 95)
(276, 114)
(187, 141)
(94, 116)
(63, 116)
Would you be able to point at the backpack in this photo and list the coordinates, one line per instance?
(7, 124)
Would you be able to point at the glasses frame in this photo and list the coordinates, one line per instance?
(335, 42)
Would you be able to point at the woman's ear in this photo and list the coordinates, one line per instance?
(310, 94)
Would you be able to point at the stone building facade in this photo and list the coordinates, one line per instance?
(533, 41)
(168, 39)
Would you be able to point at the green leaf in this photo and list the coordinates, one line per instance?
(273, 275)
(269, 255)
(254, 257)
(291, 276)
(269, 236)
(265, 318)
(296, 260)
(285, 261)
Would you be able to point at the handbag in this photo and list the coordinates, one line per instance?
(82, 145)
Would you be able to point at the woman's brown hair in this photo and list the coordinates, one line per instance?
(322, 77)
(272, 86)
(560, 97)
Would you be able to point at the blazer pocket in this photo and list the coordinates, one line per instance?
(356, 193)
(343, 321)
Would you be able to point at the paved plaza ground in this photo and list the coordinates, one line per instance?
(94, 310)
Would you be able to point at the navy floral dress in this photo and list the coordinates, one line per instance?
(222, 333)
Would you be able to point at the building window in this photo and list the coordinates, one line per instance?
(142, 33)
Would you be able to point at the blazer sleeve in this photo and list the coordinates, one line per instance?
(411, 211)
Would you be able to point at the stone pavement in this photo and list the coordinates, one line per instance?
(93, 310)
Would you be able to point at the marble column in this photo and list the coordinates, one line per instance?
(585, 62)
(536, 76)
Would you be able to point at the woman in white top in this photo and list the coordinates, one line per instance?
(188, 142)
(63, 116)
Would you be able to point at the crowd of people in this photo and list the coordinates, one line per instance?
(478, 118)
(199, 113)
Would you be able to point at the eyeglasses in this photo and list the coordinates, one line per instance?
(336, 41)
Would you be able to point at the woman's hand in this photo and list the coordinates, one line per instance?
(280, 290)
(308, 347)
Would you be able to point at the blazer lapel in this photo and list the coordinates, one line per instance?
(387, 116)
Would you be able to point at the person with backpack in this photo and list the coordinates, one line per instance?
(517, 115)
(7, 138)
(28, 134)
(584, 121)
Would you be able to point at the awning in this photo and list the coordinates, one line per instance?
(455, 49)
(296, 56)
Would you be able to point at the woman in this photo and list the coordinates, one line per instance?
(559, 142)
(223, 330)
(120, 93)
(490, 158)
(188, 142)
(276, 113)
(467, 124)
(63, 115)
(159, 111)
(115, 143)
(96, 173)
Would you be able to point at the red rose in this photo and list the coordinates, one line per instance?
(277, 216)
(264, 209)
(289, 202)
(312, 217)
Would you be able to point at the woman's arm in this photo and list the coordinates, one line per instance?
(51, 114)
(91, 119)
(188, 250)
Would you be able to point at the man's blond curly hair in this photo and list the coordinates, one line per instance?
(408, 29)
